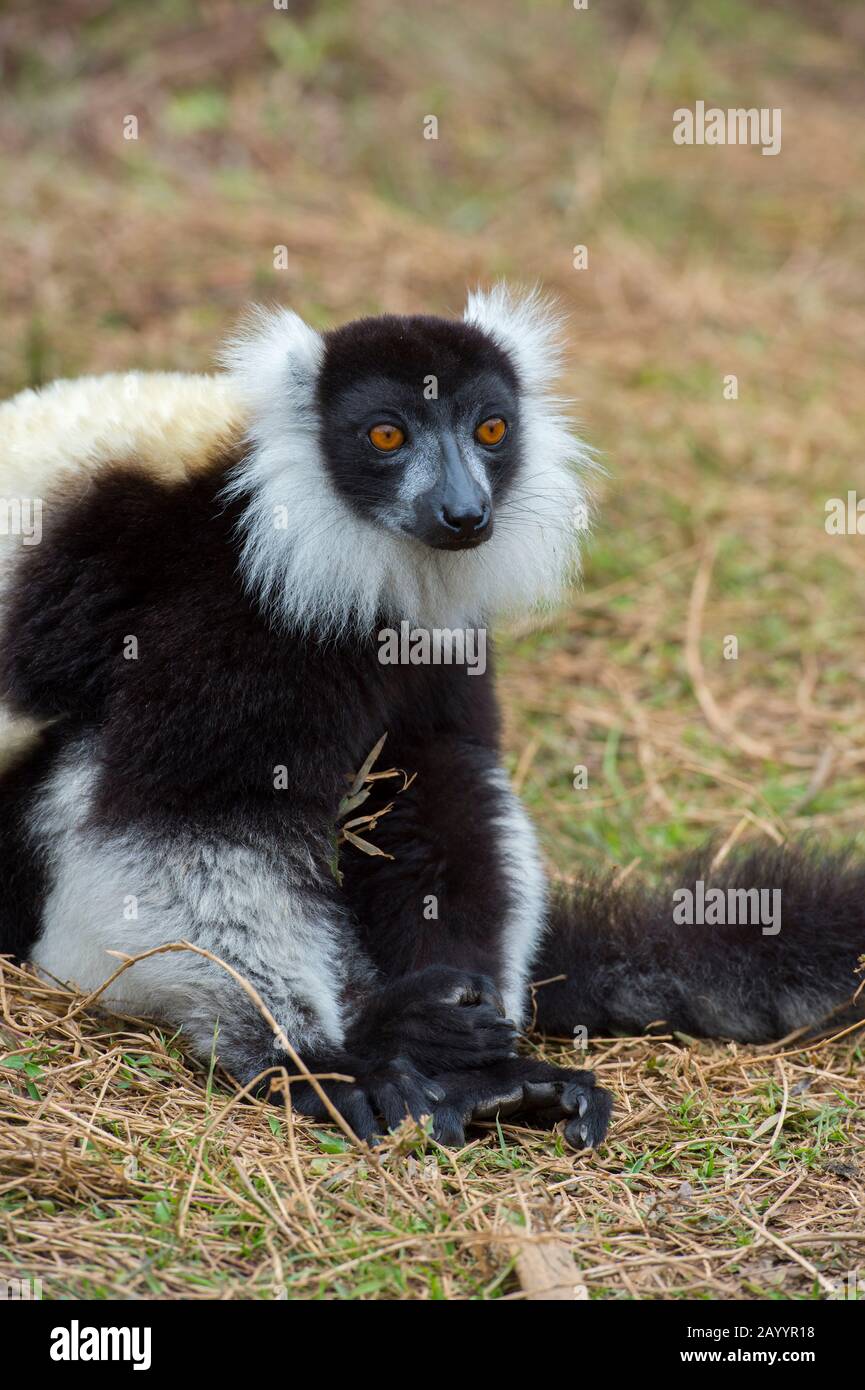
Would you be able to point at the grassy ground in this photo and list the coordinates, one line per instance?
(730, 1172)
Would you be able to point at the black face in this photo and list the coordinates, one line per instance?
(420, 426)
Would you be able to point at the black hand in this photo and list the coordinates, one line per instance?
(441, 1018)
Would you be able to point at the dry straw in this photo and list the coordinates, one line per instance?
(127, 1171)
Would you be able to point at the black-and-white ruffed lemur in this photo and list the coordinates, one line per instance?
(195, 642)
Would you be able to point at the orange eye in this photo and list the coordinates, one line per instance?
(491, 431)
(386, 437)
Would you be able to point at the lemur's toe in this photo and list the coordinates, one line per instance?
(506, 1100)
(590, 1109)
(357, 1112)
(539, 1094)
(398, 1089)
(448, 1127)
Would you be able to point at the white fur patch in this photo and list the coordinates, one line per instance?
(124, 893)
(524, 872)
(167, 423)
(170, 423)
(317, 566)
(527, 326)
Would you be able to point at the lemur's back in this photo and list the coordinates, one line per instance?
(170, 424)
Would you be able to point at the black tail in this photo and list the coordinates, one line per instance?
(629, 963)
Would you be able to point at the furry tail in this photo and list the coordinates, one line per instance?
(631, 958)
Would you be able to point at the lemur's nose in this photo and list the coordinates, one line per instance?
(470, 520)
(461, 506)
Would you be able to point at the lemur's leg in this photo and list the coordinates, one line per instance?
(260, 908)
(465, 887)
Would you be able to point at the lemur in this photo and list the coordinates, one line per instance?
(218, 557)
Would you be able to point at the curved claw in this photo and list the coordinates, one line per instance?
(587, 1127)
(490, 994)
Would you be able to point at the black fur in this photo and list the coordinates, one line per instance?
(628, 966)
(24, 881)
(239, 696)
(190, 733)
(438, 834)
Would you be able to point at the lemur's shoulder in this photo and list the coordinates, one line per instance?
(94, 465)
(172, 425)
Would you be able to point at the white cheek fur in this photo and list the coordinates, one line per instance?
(302, 545)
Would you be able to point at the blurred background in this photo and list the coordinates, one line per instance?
(303, 128)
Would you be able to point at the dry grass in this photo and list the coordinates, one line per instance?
(730, 1172)
(128, 1173)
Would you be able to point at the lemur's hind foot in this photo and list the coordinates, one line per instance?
(435, 1043)
(523, 1086)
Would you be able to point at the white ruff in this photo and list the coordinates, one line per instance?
(317, 566)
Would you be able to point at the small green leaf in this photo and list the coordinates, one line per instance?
(332, 1143)
(16, 1063)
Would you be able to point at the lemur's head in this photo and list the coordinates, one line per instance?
(420, 426)
(407, 467)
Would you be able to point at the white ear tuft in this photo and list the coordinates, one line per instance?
(527, 325)
(274, 358)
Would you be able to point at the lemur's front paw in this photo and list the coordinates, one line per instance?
(544, 1094)
(441, 1018)
(379, 1099)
